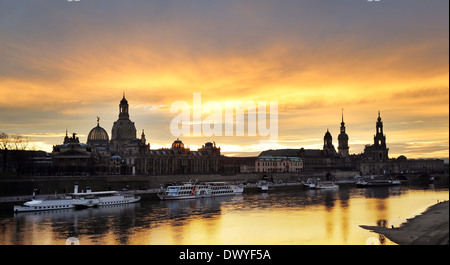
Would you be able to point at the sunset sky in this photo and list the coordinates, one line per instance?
(64, 63)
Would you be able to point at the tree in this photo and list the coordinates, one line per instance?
(13, 142)
(13, 149)
(5, 141)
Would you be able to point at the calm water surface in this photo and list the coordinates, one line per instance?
(290, 216)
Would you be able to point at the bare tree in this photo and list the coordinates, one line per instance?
(20, 142)
(5, 141)
(14, 152)
(13, 142)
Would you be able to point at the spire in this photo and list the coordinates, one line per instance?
(342, 123)
(124, 94)
(98, 121)
(143, 140)
(379, 117)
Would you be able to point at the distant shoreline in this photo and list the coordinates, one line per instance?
(429, 228)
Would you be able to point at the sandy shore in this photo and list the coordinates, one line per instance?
(429, 228)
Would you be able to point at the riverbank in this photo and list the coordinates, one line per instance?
(429, 228)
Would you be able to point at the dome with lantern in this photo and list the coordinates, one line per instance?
(98, 135)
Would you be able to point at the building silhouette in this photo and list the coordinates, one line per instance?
(374, 159)
(127, 154)
(343, 140)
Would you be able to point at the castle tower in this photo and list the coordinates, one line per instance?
(343, 139)
(379, 138)
(378, 151)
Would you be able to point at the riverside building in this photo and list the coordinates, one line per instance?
(127, 154)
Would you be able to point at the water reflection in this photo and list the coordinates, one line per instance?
(291, 216)
(62, 224)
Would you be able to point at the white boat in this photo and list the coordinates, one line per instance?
(44, 205)
(263, 185)
(203, 190)
(311, 183)
(375, 181)
(101, 198)
(325, 186)
(77, 200)
(317, 184)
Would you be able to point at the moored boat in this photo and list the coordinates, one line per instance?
(77, 200)
(102, 198)
(203, 190)
(375, 181)
(317, 184)
(311, 183)
(263, 185)
(44, 205)
(325, 186)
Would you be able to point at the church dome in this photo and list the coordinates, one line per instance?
(177, 144)
(123, 129)
(98, 136)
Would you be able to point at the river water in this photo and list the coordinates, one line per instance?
(289, 216)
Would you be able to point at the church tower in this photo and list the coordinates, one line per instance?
(328, 146)
(379, 138)
(123, 131)
(343, 139)
(123, 109)
(378, 151)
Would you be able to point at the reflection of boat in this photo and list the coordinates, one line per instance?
(202, 190)
(374, 181)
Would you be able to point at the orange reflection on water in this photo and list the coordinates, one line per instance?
(288, 217)
(316, 224)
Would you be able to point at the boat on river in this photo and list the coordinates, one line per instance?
(263, 185)
(376, 181)
(45, 205)
(325, 186)
(77, 200)
(317, 184)
(190, 190)
(102, 198)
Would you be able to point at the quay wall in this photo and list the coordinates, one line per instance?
(65, 184)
